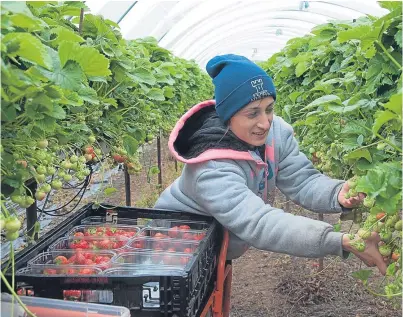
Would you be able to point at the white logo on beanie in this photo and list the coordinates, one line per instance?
(260, 92)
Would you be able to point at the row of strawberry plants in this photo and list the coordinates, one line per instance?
(341, 89)
(73, 89)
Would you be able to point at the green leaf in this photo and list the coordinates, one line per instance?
(130, 144)
(391, 203)
(374, 182)
(64, 34)
(142, 75)
(30, 48)
(398, 38)
(391, 5)
(57, 112)
(358, 154)
(168, 92)
(91, 61)
(360, 139)
(109, 191)
(362, 275)
(324, 100)
(88, 94)
(294, 95)
(29, 23)
(381, 117)
(395, 104)
(68, 77)
(337, 227)
(8, 112)
(156, 94)
(374, 73)
(301, 68)
(16, 7)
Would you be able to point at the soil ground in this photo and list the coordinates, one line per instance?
(272, 284)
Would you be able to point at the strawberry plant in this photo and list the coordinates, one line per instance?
(73, 95)
(341, 89)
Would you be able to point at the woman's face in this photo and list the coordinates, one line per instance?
(251, 124)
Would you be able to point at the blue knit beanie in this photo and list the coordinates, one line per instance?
(238, 81)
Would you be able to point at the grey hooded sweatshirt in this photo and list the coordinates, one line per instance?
(226, 178)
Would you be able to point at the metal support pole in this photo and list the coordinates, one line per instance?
(159, 158)
(31, 213)
(127, 187)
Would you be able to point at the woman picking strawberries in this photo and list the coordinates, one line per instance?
(235, 150)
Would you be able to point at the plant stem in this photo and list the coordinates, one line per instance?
(388, 55)
(15, 295)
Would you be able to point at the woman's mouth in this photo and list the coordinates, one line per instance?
(260, 134)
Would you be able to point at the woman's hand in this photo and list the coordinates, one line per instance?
(370, 255)
(352, 201)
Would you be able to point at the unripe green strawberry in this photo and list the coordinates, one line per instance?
(369, 202)
(378, 227)
(41, 169)
(385, 250)
(352, 183)
(50, 170)
(347, 195)
(390, 223)
(364, 233)
(56, 184)
(46, 188)
(359, 245)
(73, 158)
(40, 178)
(370, 219)
(353, 192)
(398, 225)
(386, 236)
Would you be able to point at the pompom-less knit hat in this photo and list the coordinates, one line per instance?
(237, 81)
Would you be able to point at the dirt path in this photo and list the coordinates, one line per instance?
(273, 284)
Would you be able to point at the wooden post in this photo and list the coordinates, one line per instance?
(159, 158)
(31, 213)
(127, 187)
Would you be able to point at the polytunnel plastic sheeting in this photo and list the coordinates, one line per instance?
(199, 30)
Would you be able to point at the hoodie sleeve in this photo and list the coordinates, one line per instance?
(301, 182)
(223, 192)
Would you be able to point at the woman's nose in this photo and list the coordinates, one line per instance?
(264, 122)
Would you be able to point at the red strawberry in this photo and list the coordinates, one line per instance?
(80, 258)
(188, 250)
(60, 260)
(187, 236)
(72, 259)
(79, 234)
(171, 250)
(88, 262)
(105, 244)
(184, 227)
(71, 271)
(49, 271)
(88, 255)
(85, 271)
(173, 232)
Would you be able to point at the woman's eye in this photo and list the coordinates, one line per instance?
(252, 114)
(269, 110)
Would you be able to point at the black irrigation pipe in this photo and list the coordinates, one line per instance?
(82, 191)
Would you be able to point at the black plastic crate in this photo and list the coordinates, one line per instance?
(179, 293)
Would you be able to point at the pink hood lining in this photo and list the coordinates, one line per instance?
(212, 154)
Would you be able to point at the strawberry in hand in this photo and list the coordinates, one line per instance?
(348, 197)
